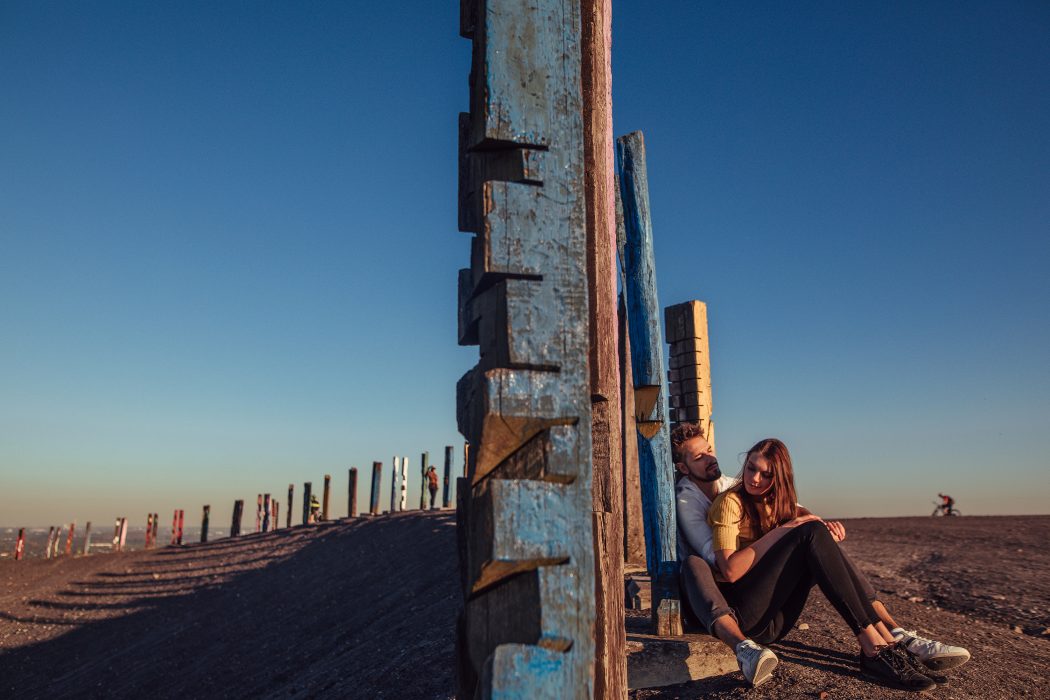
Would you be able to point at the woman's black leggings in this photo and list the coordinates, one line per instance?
(769, 598)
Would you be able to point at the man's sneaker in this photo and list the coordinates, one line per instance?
(756, 662)
(892, 667)
(934, 655)
(938, 678)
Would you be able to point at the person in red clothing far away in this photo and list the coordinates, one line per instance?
(432, 484)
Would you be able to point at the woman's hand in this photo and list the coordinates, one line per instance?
(837, 530)
(801, 520)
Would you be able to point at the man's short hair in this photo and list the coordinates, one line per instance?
(682, 433)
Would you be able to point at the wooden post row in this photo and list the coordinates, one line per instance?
(325, 497)
(527, 625)
(238, 514)
(650, 389)
(87, 538)
(377, 475)
(351, 506)
(306, 502)
(447, 493)
(204, 523)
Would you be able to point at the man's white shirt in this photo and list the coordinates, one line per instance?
(694, 534)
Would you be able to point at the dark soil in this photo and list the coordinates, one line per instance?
(366, 608)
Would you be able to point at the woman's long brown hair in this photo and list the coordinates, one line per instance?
(781, 496)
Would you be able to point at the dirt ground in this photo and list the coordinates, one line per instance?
(366, 609)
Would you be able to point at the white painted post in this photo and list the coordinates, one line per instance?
(404, 484)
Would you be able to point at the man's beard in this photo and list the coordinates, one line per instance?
(711, 476)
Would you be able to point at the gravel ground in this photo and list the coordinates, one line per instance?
(366, 609)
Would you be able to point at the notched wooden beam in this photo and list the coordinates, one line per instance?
(552, 455)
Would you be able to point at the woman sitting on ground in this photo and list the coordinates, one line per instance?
(770, 552)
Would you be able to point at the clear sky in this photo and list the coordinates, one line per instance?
(228, 244)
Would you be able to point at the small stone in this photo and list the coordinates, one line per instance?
(998, 597)
(1045, 632)
(1017, 629)
(803, 626)
(824, 695)
(156, 576)
(915, 599)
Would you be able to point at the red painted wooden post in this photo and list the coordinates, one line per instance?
(20, 545)
(204, 523)
(351, 508)
(87, 538)
(266, 510)
(69, 539)
(324, 498)
(291, 500)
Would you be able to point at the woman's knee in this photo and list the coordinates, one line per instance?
(817, 532)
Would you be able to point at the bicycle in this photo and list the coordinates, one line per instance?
(940, 510)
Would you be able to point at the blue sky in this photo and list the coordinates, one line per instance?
(228, 244)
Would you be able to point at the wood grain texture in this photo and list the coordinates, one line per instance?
(524, 508)
(647, 363)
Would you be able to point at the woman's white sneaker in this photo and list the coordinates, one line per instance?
(934, 655)
(756, 662)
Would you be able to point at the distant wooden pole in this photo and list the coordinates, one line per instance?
(204, 523)
(377, 476)
(149, 531)
(20, 545)
(182, 522)
(403, 501)
(156, 527)
(446, 495)
(393, 484)
(276, 510)
(650, 386)
(351, 494)
(238, 513)
(50, 536)
(291, 500)
(69, 539)
(266, 513)
(87, 538)
(424, 464)
(124, 535)
(258, 513)
(306, 502)
(325, 497)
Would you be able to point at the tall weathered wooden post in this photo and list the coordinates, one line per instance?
(306, 502)
(351, 505)
(238, 513)
(690, 375)
(156, 527)
(377, 478)
(258, 512)
(87, 538)
(50, 539)
(149, 531)
(123, 540)
(326, 496)
(20, 545)
(182, 524)
(69, 538)
(266, 512)
(525, 514)
(393, 484)
(291, 501)
(650, 388)
(606, 441)
(276, 507)
(423, 466)
(446, 495)
(205, 515)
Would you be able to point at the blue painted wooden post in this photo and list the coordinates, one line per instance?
(525, 530)
(650, 388)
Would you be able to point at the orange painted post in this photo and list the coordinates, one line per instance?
(87, 538)
(351, 508)
(20, 545)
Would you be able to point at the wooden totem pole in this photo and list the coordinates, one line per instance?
(525, 507)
